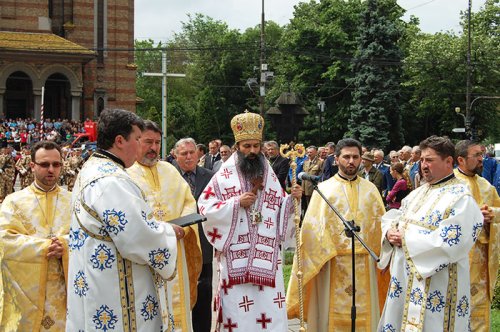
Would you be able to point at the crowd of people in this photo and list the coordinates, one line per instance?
(21, 132)
(104, 254)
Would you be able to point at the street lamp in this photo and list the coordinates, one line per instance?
(467, 123)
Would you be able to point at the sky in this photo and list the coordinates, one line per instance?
(160, 19)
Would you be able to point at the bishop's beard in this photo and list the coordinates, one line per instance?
(251, 165)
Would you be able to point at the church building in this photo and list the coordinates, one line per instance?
(79, 51)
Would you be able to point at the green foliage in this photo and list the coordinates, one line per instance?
(382, 79)
(375, 118)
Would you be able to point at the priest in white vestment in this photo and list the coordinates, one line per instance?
(249, 218)
(120, 256)
(426, 243)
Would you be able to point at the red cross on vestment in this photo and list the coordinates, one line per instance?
(272, 199)
(226, 173)
(214, 235)
(279, 300)
(263, 320)
(208, 192)
(229, 325)
(269, 223)
(246, 303)
(225, 286)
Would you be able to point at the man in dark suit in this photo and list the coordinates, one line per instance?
(379, 164)
(369, 172)
(279, 164)
(213, 155)
(198, 177)
(330, 167)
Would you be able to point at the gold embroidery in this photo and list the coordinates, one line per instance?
(47, 322)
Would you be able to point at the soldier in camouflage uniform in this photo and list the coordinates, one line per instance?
(7, 173)
(24, 169)
(74, 163)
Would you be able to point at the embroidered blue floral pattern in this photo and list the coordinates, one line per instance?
(104, 318)
(476, 230)
(107, 167)
(388, 328)
(395, 288)
(102, 258)
(150, 222)
(159, 258)
(463, 307)
(451, 234)
(435, 301)
(80, 284)
(114, 221)
(416, 296)
(424, 231)
(77, 238)
(433, 219)
(149, 308)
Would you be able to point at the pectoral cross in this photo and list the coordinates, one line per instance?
(257, 184)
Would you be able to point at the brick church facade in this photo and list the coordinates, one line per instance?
(79, 51)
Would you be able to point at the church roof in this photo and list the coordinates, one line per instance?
(40, 43)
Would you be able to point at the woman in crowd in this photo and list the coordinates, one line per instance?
(401, 187)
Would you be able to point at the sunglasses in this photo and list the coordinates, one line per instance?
(46, 164)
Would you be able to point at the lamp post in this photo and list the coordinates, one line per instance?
(321, 107)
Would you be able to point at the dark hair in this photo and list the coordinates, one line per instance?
(442, 145)
(114, 122)
(47, 145)
(153, 126)
(398, 167)
(347, 142)
(462, 148)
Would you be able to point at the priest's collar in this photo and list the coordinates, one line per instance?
(462, 172)
(100, 153)
(347, 179)
(37, 187)
(445, 179)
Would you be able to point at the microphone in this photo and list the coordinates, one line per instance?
(313, 178)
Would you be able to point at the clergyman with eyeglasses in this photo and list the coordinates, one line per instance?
(34, 227)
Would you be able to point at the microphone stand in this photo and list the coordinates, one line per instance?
(350, 231)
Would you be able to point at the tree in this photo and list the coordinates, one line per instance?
(375, 118)
(314, 60)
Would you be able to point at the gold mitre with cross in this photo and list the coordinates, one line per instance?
(247, 126)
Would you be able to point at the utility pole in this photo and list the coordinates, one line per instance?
(263, 66)
(468, 119)
(164, 76)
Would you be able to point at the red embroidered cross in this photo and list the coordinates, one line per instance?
(246, 303)
(227, 173)
(269, 223)
(208, 192)
(263, 320)
(202, 210)
(279, 261)
(229, 325)
(225, 286)
(230, 192)
(214, 235)
(279, 300)
(272, 199)
(220, 204)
